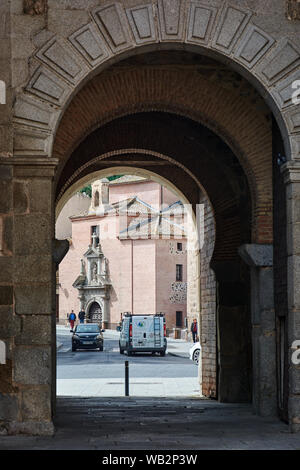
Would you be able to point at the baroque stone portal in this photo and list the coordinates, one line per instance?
(93, 285)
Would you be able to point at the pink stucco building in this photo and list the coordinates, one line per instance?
(127, 254)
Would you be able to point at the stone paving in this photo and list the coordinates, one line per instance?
(157, 424)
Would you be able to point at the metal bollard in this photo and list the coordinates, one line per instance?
(126, 379)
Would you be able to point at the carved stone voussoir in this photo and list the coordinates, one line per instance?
(34, 7)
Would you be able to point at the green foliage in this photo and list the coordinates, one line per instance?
(87, 190)
(114, 177)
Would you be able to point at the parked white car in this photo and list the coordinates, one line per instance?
(195, 353)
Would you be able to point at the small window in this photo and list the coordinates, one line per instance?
(178, 272)
(178, 319)
(179, 246)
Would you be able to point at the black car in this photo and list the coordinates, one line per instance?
(87, 336)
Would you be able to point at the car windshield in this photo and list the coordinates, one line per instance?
(87, 329)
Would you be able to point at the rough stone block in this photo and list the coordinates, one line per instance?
(20, 197)
(36, 404)
(257, 254)
(8, 407)
(9, 324)
(5, 196)
(35, 330)
(31, 268)
(6, 266)
(294, 281)
(40, 195)
(7, 234)
(32, 365)
(33, 299)
(294, 376)
(32, 234)
(266, 288)
(6, 295)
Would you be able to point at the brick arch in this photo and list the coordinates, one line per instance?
(122, 92)
(77, 181)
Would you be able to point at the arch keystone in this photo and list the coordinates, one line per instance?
(200, 23)
(171, 19)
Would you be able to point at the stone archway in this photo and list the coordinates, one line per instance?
(61, 65)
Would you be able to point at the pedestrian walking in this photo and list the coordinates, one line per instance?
(72, 318)
(194, 330)
(81, 316)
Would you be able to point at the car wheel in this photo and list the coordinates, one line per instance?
(196, 356)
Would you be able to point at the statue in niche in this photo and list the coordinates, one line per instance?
(34, 7)
(83, 271)
(94, 276)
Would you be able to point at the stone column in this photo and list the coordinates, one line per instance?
(260, 260)
(291, 173)
(31, 299)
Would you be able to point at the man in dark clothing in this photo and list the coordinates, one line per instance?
(81, 316)
(194, 330)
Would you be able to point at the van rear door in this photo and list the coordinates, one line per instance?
(143, 331)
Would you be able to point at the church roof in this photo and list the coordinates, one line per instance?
(147, 221)
(157, 226)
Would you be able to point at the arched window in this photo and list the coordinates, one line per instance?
(96, 199)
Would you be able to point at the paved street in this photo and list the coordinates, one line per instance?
(101, 374)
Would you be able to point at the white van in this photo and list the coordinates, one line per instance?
(143, 333)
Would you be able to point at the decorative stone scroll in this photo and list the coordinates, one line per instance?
(293, 10)
(34, 7)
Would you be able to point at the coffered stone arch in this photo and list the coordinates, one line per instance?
(230, 33)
